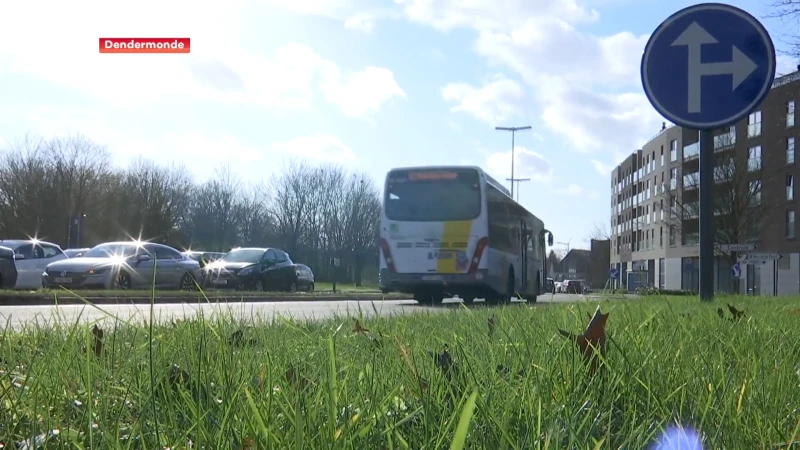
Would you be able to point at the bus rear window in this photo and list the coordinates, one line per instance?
(433, 195)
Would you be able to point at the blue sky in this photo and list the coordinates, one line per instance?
(369, 85)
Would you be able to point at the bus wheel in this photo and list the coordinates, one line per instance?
(532, 298)
(510, 289)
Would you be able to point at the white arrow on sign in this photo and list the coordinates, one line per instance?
(737, 247)
(740, 66)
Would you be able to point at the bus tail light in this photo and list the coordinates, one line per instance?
(476, 257)
(387, 255)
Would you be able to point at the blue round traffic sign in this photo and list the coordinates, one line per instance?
(708, 66)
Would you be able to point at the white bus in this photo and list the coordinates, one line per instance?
(455, 231)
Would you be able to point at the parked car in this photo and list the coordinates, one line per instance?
(8, 270)
(305, 277)
(75, 252)
(550, 285)
(573, 287)
(31, 256)
(254, 268)
(203, 258)
(125, 265)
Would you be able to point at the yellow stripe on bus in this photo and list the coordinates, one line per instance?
(453, 231)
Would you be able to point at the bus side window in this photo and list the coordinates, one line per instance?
(531, 247)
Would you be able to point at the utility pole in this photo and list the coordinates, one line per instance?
(513, 130)
(517, 180)
(565, 244)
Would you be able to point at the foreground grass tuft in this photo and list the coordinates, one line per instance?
(495, 378)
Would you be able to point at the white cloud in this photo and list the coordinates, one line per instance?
(601, 167)
(585, 86)
(360, 22)
(496, 101)
(486, 14)
(593, 195)
(320, 148)
(61, 47)
(593, 121)
(527, 164)
(360, 93)
(573, 190)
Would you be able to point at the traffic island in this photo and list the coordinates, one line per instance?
(54, 297)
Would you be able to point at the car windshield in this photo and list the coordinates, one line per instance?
(244, 256)
(111, 250)
(433, 195)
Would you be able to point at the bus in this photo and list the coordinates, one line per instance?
(450, 231)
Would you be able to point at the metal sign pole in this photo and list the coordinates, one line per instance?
(706, 215)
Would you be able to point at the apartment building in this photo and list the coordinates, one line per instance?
(654, 195)
(641, 237)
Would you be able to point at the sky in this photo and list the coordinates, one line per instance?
(369, 85)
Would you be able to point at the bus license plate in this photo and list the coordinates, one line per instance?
(445, 255)
(432, 278)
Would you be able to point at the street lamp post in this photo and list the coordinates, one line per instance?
(513, 130)
(518, 181)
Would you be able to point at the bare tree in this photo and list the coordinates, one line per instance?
(216, 211)
(154, 199)
(740, 210)
(788, 11)
(292, 192)
(600, 232)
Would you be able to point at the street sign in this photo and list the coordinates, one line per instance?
(708, 66)
(762, 256)
(613, 273)
(737, 247)
(736, 271)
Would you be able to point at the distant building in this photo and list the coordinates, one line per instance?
(599, 255)
(647, 237)
(576, 265)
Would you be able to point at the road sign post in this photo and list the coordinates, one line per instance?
(694, 93)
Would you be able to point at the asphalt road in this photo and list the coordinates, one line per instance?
(18, 316)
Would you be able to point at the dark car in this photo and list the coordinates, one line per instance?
(550, 286)
(257, 269)
(573, 287)
(8, 269)
(305, 277)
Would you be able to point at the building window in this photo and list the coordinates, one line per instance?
(754, 159)
(661, 237)
(790, 113)
(672, 236)
(754, 124)
(673, 178)
(673, 150)
(661, 278)
(662, 156)
(790, 224)
(755, 193)
(790, 150)
(789, 187)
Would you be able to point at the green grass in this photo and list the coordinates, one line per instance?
(290, 385)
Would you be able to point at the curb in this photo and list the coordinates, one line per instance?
(39, 300)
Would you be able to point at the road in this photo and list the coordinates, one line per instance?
(17, 316)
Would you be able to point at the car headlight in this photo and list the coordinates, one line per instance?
(99, 271)
(245, 271)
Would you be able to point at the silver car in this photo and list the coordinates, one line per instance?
(125, 265)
